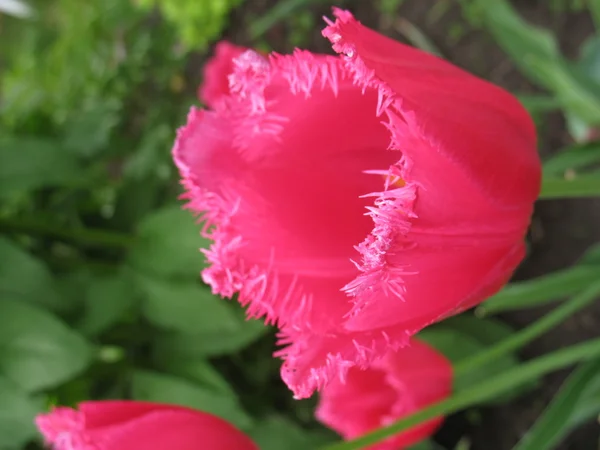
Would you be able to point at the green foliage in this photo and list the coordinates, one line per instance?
(276, 432)
(202, 343)
(389, 7)
(545, 289)
(26, 278)
(17, 412)
(281, 10)
(168, 244)
(38, 351)
(567, 5)
(89, 84)
(107, 300)
(99, 276)
(577, 401)
(462, 337)
(197, 22)
(95, 247)
(535, 52)
(185, 307)
(29, 163)
(573, 160)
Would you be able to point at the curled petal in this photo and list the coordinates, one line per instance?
(399, 384)
(215, 84)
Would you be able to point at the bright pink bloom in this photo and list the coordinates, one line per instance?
(214, 80)
(355, 199)
(395, 386)
(128, 425)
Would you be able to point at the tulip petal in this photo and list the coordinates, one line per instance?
(215, 84)
(399, 384)
(354, 200)
(117, 425)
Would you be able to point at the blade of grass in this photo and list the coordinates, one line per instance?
(531, 332)
(535, 51)
(539, 291)
(557, 420)
(572, 158)
(276, 14)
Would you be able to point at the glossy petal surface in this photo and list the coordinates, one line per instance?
(355, 199)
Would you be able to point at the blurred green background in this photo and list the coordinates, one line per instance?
(99, 289)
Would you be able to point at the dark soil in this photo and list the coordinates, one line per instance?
(562, 229)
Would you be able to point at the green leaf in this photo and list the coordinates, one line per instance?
(591, 256)
(31, 163)
(578, 128)
(70, 285)
(570, 407)
(107, 300)
(522, 337)
(454, 344)
(572, 159)
(137, 199)
(589, 62)
(539, 291)
(275, 14)
(461, 337)
(198, 371)
(88, 131)
(188, 307)
(17, 412)
(577, 91)
(525, 43)
(156, 387)
(488, 332)
(536, 53)
(168, 243)
(37, 350)
(24, 277)
(217, 343)
(545, 289)
(581, 186)
(277, 432)
(537, 104)
(197, 23)
(147, 159)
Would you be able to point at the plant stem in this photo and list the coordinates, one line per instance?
(83, 236)
(485, 390)
(531, 332)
